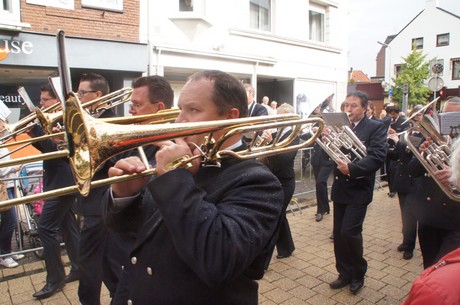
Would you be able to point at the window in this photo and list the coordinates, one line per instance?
(455, 68)
(260, 15)
(398, 69)
(9, 12)
(111, 5)
(417, 43)
(67, 4)
(434, 62)
(316, 18)
(185, 5)
(442, 40)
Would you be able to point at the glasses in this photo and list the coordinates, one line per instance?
(80, 93)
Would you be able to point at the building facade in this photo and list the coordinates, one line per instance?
(292, 52)
(101, 37)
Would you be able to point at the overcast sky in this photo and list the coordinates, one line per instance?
(373, 20)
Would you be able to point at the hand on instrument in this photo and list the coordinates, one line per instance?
(58, 139)
(424, 145)
(267, 136)
(131, 165)
(171, 151)
(325, 132)
(343, 168)
(444, 176)
(394, 137)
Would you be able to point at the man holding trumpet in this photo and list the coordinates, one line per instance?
(203, 233)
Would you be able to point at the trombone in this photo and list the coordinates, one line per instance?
(91, 142)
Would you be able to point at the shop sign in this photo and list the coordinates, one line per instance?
(8, 47)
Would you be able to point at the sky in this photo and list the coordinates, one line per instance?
(370, 21)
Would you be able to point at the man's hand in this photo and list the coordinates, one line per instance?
(444, 175)
(394, 137)
(131, 165)
(171, 151)
(343, 168)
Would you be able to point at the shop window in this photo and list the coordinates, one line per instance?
(67, 4)
(417, 43)
(111, 5)
(455, 68)
(442, 40)
(260, 15)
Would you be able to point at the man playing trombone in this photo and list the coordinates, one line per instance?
(203, 233)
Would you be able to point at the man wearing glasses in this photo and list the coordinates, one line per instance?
(91, 87)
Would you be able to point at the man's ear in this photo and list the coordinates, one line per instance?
(234, 113)
(99, 94)
(161, 106)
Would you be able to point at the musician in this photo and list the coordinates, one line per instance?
(405, 187)
(58, 214)
(351, 193)
(438, 225)
(455, 161)
(205, 231)
(282, 166)
(254, 108)
(96, 265)
(395, 125)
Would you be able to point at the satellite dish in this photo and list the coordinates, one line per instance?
(435, 83)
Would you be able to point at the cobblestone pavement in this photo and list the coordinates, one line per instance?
(300, 279)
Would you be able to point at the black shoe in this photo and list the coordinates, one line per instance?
(48, 290)
(402, 247)
(356, 285)
(72, 277)
(339, 283)
(391, 194)
(319, 217)
(408, 254)
(282, 256)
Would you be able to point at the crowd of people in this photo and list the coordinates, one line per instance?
(208, 231)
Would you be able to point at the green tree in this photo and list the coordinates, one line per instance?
(414, 72)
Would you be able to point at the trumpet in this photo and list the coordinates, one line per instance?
(91, 142)
(437, 154)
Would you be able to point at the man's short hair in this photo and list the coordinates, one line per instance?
(96, 82)
(159, 89)
(361, 96)
(47, 88)
(228, 92)
(393, 108)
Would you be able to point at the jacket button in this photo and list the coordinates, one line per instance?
(122, 267)
(347, 180)
(444, 204)
(133, 260)
(130, 302)
(336, 178)
(149, 271)
(410, 176)
(428, 198)
(426, 174)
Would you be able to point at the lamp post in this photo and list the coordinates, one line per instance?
(390, 91)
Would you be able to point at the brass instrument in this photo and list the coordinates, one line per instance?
(91, 142)
(436, 155)
(162, 116)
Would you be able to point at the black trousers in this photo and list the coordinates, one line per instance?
(348, 240)
(435, 243)
(408, 219)
(96, 265)
(58, 218)
(322, 173)
(284, 243)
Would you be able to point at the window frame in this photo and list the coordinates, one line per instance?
(438, 44)
(455, 68)
(417, 45)
(322, 11)
(13, 14)
(69, 4)
(100, 4)
(260, 26)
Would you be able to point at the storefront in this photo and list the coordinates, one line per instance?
(28, 59)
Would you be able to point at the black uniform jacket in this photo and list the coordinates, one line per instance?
(433, 207)
(358, 187)
(57, 172)
(256, 109)
(201, 239)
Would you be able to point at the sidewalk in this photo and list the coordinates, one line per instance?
(300, 279)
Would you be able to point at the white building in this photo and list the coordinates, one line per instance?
(436, 32)
(283, 48)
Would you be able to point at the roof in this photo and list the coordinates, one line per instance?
(358, 76)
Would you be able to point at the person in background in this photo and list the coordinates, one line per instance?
(352, 192)
(254, 108)
(405, 186)
(91, 87)
(210, 227)
(265, 103)
(371, 112)
(59, 214)
(8, 218)
(274, 105)
(282, 166)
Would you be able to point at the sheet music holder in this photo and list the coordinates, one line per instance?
(56, 85)
(25, 97)
(449, 123)
(336, 119)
